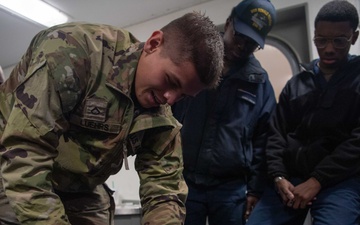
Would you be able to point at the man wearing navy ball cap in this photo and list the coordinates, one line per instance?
(225, 130)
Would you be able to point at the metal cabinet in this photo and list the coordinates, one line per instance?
(127, 215)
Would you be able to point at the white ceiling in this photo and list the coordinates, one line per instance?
(16, 33)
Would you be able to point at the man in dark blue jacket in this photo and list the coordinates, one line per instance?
(225, 130)
(314, 148)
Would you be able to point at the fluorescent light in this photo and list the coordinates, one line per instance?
(35, 10)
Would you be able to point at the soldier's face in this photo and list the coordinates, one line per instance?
(159, 81)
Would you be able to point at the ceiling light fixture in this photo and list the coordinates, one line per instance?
(35, 10)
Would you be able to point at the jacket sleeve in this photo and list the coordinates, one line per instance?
(258, 176)
(162, 187)
(29, 142)
(31, 136)
(276, 143)
(342, 163)
(180, 108)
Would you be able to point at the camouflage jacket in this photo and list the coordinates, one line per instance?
(67, 122)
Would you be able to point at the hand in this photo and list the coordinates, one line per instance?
(285, 190)
(305, 193)
(250, 204)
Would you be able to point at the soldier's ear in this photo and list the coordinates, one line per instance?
(154, 42)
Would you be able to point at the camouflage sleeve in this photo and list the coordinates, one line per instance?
(163, 190)
(46, 90)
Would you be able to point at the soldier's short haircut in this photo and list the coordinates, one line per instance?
(194, 38)
(338, 11)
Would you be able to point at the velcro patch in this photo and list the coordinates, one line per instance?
(95, 109)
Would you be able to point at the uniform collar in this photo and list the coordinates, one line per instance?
(122, 74)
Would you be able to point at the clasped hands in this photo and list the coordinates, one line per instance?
(299, 196)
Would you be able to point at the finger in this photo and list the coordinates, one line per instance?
(297, 204)
(287, 192)
(311, 202)
(304, 205)
(248, 207)
(284, 198)
(289, 195)
(290, 203)
(247, 214)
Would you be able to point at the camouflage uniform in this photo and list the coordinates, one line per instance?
(68, 121)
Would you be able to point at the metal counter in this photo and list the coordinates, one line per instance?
(127, 215)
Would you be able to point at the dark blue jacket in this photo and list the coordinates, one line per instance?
(316, 127)
(225, 130)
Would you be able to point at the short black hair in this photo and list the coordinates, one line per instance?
(194, 38)
(338, 11)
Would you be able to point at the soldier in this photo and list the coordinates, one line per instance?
(82, 99)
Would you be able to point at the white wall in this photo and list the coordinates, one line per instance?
(219, 10)
(7, 71)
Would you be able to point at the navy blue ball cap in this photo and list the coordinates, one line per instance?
(254, 18)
